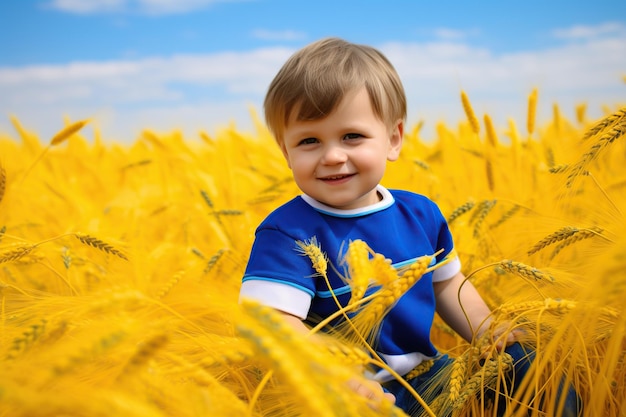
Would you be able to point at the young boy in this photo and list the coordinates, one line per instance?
(337, 111)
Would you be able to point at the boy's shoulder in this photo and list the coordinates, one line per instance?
(410, 197)
(293, 210)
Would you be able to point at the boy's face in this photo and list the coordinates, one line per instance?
(339, 160)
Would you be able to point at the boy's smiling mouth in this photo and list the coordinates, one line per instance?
(336, 178)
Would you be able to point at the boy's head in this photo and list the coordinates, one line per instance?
(316, 78)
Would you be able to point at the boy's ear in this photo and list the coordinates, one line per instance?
(395, 141)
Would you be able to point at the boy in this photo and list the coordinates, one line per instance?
(337, 111)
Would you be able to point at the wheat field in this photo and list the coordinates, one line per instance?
(120, 266)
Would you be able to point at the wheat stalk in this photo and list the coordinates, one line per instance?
(423, 367)
(581, 112)
(557, 236)
(58, 138)
(457, 378)
(557, 169)
(556, 117)
(485, 377)
(524, 270)
(506, 216)
(479, 216)
(3, 181)
(349, 355)
(469, 112)
(579, 235)
(602, 124)
(567, 234)
(532, 111)
(100, 245)
(559, 306)
(144, 353)
(492, 137)
(367, 319)
(361, 271)
(462, 209)
(26, 339)
(273, 337)
(213, 260)
(421, 164)
(313, 250)
(489, 174)
(67, 131)
(170, 284)
(17, 253)
(616, 130)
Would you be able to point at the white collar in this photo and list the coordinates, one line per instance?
(386, 201)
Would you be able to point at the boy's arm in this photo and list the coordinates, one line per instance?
(455, 313)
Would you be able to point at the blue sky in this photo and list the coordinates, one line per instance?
(202, 64)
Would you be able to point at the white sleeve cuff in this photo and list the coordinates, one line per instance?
(447, 271)
(283, 297)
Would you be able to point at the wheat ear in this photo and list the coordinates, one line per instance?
(568, 234)
(483, 378)
(469, 112)
(61, 136)
(612, 131)
(15, 254)
(3, 181)
(607, 121)
(580, 234)
(532, 111)
(462, 209)
(524, 270)
(313, 250)
(100, 245)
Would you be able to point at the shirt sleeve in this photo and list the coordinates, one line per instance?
(277, 295)
(278, 274)
(449, 258)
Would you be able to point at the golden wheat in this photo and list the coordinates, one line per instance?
(100, 245)
(312, 249)
(604, 123)
(3, 181)
(366, 322)
(68, 131)
(16, 254)
(360, 269)
(464, 208)
(524, 270)
(532, 111)
(469, 112)
(607, 132)
(561, 234)
(420, 369)
(163, 334)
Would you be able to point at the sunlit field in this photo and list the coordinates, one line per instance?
(120, 265)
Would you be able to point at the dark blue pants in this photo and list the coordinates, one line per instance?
(522, 359)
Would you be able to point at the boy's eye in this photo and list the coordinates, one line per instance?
(307, 141)
(353, 136)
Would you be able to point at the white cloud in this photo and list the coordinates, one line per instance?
(453, 34)
(586, 31)
(150, 7)
(210, 90)
(87, 6)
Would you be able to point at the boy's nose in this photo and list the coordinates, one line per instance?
(334, 155)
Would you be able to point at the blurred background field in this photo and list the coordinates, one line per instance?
(120, 265)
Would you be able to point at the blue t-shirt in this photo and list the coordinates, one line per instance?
(402, 226)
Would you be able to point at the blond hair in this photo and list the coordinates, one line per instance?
(315, 79)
